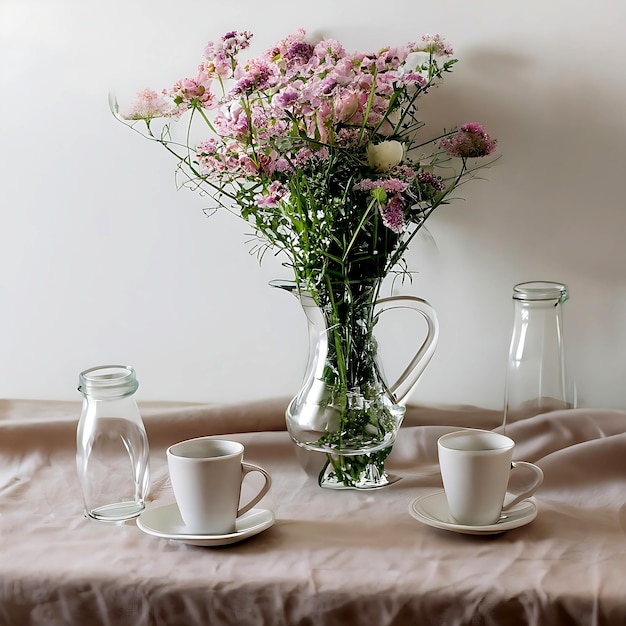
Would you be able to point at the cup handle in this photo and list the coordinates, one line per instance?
(246, 468)
(528, 492)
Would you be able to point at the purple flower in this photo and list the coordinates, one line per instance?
(227, 48)
(259, 76)
(393, 214)
(390, 185)
(426, 178)
(234, 41)
(328, 84)
(286, 97)
(469, 141)
(299, 52)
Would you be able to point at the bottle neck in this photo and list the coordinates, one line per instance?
(551, 293)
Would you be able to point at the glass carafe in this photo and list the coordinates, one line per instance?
(112, 445)
(537, 378)
(345, 407)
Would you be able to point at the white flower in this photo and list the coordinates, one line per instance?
(385, 155)
(415, 60)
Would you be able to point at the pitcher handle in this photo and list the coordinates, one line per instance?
(409, 377)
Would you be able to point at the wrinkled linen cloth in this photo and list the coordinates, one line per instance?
(332, 557)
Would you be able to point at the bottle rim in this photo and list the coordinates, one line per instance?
(113, 380)
(537, 290)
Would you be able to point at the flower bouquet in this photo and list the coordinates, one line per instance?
(323, 153)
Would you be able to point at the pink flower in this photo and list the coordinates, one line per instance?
(220, 56)
(305, 155)
(210, 146)
(283, 165)
(414, 78)
(393, 214)
(259, 75)
(147, 105)
(367, 184)
(234, 41)
(329, 50)
(344, 71)
(405, 171)
(220, 65)
(328, 85)
(437, 45)
(209, 157)
(323, 122)
(346, 105)
(193, 91)
(395, 185)
(274, 194)
(285, 98)
(267, 163)
(291, 53)
(234, 123)
(390, 185)
(469, 141)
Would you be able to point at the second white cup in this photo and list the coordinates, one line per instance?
(475, 469)
(206, 476)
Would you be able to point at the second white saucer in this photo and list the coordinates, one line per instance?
(165, 522)
(432, 510)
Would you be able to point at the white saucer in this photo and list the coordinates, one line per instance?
(166, 522)
(432, 510)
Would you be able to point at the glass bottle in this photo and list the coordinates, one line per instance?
(537, 378)
(112, 446)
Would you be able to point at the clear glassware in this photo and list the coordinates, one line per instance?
(346, 409)
(537, 379)
(112, 453)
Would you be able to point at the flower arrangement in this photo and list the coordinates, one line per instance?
(323, 153)
(321, 150)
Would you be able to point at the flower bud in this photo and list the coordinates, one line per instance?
(385, 155)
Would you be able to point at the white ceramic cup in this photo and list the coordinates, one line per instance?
(475, 468)
(206, 476)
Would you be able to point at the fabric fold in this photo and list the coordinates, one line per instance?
(331, 557)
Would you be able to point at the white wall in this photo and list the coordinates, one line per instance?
(102, 260)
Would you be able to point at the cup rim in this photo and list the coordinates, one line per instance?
(236, 449)
(507, 442)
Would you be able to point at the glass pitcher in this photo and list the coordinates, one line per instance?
(345, 407)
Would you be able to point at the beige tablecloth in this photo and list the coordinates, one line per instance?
(332, 557)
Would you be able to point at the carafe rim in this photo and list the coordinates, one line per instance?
(538, 290)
